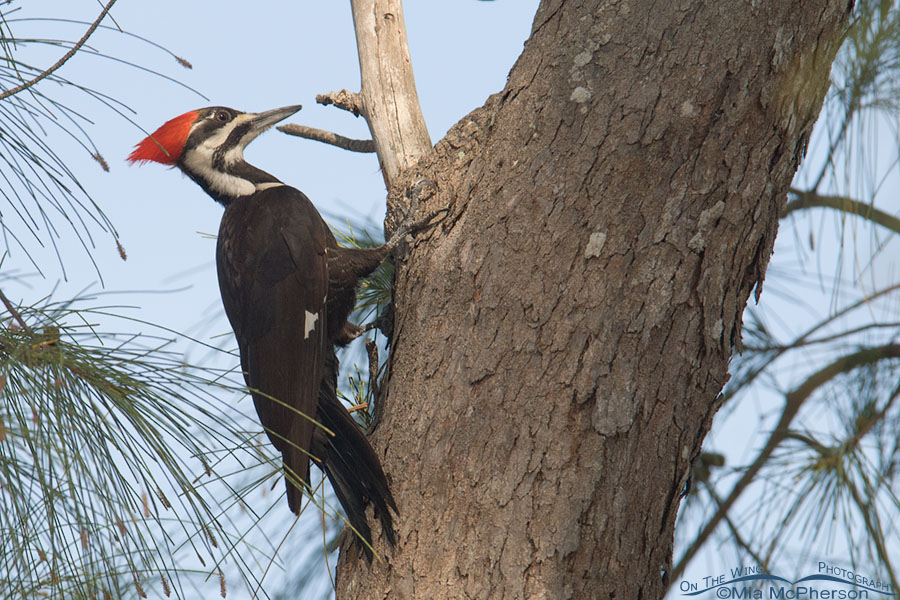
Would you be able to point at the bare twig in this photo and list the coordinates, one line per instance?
(738, 539)
(328, 137)
(822, 340)
(741, 382)
(875, 530)
(16, 315)
(66, 56)
(804, 199)
(343, 99)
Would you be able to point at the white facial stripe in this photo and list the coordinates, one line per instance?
(223, 132)
(234, 155)
(199, 160)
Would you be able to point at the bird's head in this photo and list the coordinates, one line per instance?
(208, 145)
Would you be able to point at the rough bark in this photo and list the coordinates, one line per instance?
(561, 339)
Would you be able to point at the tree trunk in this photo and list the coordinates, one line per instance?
(561, 339)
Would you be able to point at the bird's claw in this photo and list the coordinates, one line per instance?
(407, 232)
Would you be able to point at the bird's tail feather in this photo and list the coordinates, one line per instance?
(296, 466)
(351, 464)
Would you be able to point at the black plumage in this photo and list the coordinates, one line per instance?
(288, 289)
(277, 238)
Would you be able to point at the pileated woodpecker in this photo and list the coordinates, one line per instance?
(288, 289)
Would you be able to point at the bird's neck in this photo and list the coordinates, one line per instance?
(232, 182)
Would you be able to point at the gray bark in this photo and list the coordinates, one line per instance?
(388, 98)
(562, 337)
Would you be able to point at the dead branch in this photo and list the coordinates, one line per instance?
(344, 100)
(388, 98)
(328, 137)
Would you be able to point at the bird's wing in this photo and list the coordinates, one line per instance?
(273, 277)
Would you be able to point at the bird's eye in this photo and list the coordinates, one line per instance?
(223, 116)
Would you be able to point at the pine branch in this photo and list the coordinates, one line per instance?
(794, 400)
(810, 199)
(15, 313)
(65, 58)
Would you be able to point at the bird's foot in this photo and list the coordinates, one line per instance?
(350, 332)
(406, 232)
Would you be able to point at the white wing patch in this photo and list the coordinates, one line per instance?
(309, 324)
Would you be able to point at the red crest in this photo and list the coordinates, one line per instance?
(166, 143)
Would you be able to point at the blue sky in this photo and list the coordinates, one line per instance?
(253, 59)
